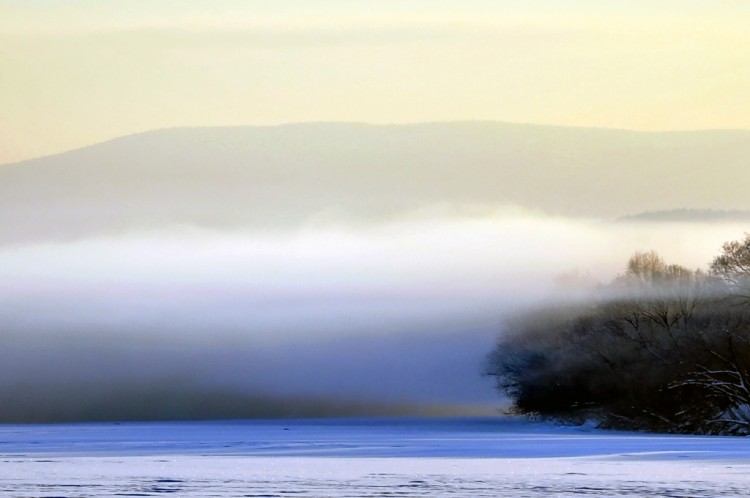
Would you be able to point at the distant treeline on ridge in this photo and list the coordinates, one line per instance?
(691, 215)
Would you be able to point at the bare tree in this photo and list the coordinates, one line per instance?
(661, 348)
(733, 266)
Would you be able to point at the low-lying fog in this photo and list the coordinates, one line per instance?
(328, 319)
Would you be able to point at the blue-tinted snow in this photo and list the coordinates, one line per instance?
(498, 437)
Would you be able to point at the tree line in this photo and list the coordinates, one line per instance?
(661, 348)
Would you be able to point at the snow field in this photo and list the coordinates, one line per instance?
(364, 458)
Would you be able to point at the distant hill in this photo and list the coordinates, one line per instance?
(282, 176)
(691, 216)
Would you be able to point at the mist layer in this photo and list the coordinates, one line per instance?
(327, 319)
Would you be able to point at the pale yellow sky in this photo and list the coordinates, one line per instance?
(81, 71)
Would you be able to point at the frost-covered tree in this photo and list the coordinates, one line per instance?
(662, 348)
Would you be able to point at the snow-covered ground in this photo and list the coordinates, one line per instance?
(373, 457)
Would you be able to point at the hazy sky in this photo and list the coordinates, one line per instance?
(80, 71)
(400, 310)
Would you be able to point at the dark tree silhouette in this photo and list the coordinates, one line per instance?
(662, 348)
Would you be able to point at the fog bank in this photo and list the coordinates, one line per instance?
(331, 318)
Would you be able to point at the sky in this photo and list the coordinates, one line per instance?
(78, 72)
(395, 310)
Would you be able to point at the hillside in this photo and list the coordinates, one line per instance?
(282, 176)
(690, 216)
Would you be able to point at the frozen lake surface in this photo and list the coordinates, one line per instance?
(364, 457)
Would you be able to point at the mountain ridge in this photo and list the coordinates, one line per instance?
(387, 125)
(280, 176)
